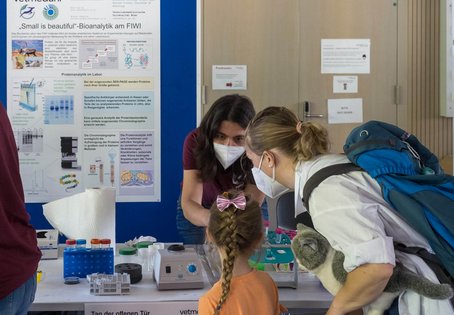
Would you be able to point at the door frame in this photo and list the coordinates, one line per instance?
(199, 60)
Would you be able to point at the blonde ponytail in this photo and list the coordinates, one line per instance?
(279, 128)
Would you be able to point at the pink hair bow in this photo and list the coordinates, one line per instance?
(238, 202)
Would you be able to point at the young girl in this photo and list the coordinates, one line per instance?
(236, 228)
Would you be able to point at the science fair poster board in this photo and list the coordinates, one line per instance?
(83, 91)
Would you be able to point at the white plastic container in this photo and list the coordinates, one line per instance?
(127, 255)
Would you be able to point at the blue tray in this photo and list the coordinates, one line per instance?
(84, 261)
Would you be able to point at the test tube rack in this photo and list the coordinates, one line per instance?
(116, 284)
(81, 262)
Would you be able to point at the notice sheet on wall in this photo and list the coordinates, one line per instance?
(229, 77)
(345, 111)
(345, 55)
(84, 96)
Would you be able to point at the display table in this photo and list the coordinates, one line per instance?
(53, 295)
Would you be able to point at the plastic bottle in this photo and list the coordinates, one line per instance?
(127, 255)
(81, 243)
(70, 244)
(144, 254)
(105, 243)
(95, 243)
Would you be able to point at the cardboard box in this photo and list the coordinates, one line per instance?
(48, 243)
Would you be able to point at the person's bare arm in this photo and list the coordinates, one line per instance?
(191, 199)
(363, 285)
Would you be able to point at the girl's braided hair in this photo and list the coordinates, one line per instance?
(235, 231)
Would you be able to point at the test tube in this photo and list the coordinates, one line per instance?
(105, 243)
(70, 244)
(278, 235)
(81, 243)
(95, 243)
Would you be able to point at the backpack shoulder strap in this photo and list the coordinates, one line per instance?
(322, 174)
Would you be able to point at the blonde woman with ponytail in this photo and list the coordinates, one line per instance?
(235, 227)
(347, 209)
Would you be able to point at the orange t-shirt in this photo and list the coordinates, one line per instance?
(251, 293)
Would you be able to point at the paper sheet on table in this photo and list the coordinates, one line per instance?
(87, 215)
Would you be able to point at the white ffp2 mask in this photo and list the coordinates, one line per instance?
(227, 154)
(269, 186)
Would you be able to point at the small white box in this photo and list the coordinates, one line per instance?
(48, 243)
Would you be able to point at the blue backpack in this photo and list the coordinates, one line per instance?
(412, 182)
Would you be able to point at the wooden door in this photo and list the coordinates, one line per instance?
(262, 34)
(349, 19)
(280, 42)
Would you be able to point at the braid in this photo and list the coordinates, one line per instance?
(231, 247)
(235, 232)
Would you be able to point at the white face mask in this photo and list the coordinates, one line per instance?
(269, 186)
(227, 154)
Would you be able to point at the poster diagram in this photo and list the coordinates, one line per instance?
(29, 140)
(59, 109)
(136, 54)
(28, 96)
(98, 54)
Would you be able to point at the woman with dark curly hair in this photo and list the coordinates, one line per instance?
(214, 161)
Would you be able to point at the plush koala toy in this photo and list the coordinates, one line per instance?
(314, 254)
